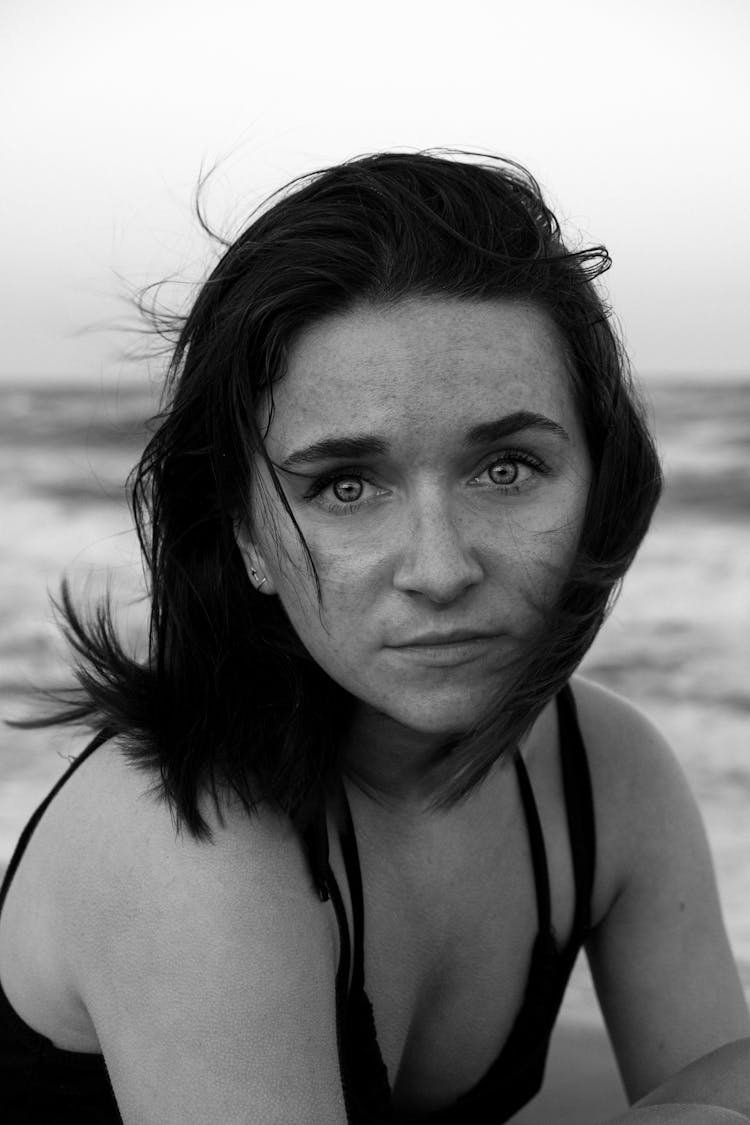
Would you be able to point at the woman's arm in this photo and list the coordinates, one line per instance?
(660, 957)
(700, 1093)
(680, 1114)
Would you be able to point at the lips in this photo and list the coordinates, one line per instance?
(447, 650)
(456, 636)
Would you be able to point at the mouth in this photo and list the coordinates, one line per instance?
(447, 649)
(454, 636)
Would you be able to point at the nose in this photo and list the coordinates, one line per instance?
(436, 558)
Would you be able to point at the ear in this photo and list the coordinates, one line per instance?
(255, 563)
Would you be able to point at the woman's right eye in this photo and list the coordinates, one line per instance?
(343, 493)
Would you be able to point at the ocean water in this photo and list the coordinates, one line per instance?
(677, 643)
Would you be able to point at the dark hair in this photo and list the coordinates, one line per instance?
(228, 695)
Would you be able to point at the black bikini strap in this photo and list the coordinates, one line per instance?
(536, 842)
(313, 823)
(579, 803)
(23, 840)
(354, 876)
(581, 828)
(342, 972)
(310, 819)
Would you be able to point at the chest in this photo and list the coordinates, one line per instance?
(449, 931)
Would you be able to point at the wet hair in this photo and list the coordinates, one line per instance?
(227, 696)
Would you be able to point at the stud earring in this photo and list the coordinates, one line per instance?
(254, 573)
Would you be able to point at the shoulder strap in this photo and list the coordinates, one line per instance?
(580, 815)
(354, 876)
(315, 838)
(536, 842)
(579, 803)
(23, 840)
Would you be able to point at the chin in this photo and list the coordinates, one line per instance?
(448, 720)
(430, 711)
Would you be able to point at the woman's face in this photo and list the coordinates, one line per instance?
(434, 461)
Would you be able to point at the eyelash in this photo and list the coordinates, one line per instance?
(320, 484)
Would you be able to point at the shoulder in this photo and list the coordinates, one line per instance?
(192, 957)
(643, 804)
(659, 952)
(123, 883)
(627, 753)
(609, 718)
(131, 862)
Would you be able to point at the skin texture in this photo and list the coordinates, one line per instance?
(436, 538)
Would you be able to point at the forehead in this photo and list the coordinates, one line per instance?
(425, 366)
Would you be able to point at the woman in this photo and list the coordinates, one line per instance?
(340, 838)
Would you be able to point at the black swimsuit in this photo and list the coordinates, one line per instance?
(40, 1082)
(516, 1075)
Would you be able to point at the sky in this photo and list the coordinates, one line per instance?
(632, 114)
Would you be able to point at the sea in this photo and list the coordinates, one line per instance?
(677, 642)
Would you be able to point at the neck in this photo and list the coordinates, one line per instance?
(395, 766)
(392, 777)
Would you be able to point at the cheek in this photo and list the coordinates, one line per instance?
(344, 557)
(543, 546)
(531, 575)
(345, 576)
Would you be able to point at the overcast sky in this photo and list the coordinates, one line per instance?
(633, 114)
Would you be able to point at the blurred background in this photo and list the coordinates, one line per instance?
(633, 116)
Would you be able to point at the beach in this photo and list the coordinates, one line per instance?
(677, 643)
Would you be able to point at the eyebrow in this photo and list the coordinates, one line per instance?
(359, 446)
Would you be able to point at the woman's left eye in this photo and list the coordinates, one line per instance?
(511, 472)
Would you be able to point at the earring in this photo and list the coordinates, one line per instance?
(254, 573)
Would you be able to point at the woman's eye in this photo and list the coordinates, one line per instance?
(344, 493)
(348, 489)
(504, 472)
(510, 472)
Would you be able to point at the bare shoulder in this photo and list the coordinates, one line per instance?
(205, 966)
(122, 824)
(641, 792)
(659, 952)
(627, 753)
(135, 874)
